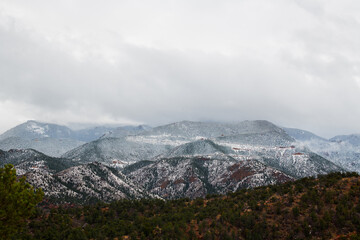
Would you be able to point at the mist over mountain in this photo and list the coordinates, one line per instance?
(37, 130)
(50, 146)
(120, 132)
(193, 130)
(302, 135)
(173, 101)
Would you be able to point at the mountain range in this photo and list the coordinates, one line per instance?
(183, 159)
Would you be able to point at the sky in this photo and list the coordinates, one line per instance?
(292, 62)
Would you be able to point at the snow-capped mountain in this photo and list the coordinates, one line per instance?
(259, 140)
(342, 150)
(37, 130)
(251, 133)
(34, 130)
(152, 142)
(187, 131)
(55, 140)
(51, 139)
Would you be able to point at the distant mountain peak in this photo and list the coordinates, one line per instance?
(353, 139)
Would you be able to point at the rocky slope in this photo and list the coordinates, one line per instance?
(201, 167)
(198, 176)
(26, 160)
(86, 183)
(66, 181)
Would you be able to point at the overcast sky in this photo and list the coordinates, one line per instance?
(293, 62)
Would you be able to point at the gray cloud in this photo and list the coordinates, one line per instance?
(294, 63)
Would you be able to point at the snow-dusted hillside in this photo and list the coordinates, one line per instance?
(342, 153)
(271, 138)
(295, 161)
(259, 140)
(86, 183)
(182, 132)
(63, 180)
(342, 150)
(197, 148)
(197, 176)
(152, 142)
(113, 150)
(26, 160)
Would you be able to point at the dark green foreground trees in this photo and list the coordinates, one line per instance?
(327, 207)
(17, 201)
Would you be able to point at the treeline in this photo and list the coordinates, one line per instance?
(311, 208)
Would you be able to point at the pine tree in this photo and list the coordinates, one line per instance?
(17, 201)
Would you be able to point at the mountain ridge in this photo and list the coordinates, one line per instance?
(183, 159)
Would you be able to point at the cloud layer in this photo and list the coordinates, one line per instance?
(295, 63)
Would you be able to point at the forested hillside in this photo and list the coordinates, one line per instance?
(326, 207)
